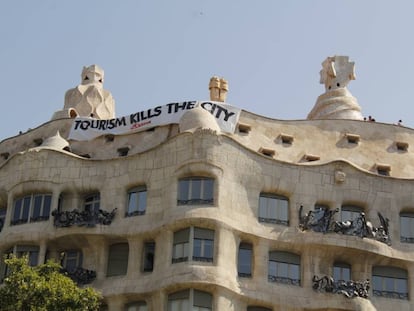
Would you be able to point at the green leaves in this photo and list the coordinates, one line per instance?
(43, 288)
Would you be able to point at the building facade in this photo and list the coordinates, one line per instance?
(266, 214)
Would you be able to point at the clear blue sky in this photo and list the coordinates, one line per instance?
(156, 52)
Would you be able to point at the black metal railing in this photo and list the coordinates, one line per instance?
(82, 218)
(349, 289)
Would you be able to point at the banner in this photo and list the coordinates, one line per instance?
(89, 128)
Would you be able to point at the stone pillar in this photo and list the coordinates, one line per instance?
(158, 301)
(116, 303)
(224, 303)
(42, 252)
(96, 256)
(261, 258)
(226, 255)
(135, 257)
(163, 251)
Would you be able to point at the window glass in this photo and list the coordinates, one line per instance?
(244, 261)
(390, 282)
(407, 227)
(201, 245)
(72, 259)
(92, 203)
(136, 306)
(350, 212)
(33, 207)
(2, 217)
(190, 300)
(137, 201)
(341, 272)
(149, 252)
(273, 209)
(31, 251)
(118, 259)
(195, 190)
(284, 267)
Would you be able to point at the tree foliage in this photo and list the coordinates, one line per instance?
(43, 288)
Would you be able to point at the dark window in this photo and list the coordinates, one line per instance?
(273, 209)
(407, 227)
(244, 260)
(2, 217)
(72, 259)
(284, 268)
(190, 299)
(341, 272)
(136, 306)
(32, 252)
(390, 282)
(202, 245)
(117, 259)
(350, 212)
(195, 190)
(137, 201)
(92, 203)
(35, 207)
(149, 252)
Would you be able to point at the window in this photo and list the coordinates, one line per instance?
(407, 227)
(252, 308)
(352, 138)
(267, 152)
(286, 139)
(117, 259)
(244, 260)
(34, 207)
(195, 190)
(284, 268)
(148, 260)
(32, 252)
(202, 245)
(190, 300)
(137, 201)
(2, 217)
(390, 282)
(136, 306)
(350, 212)
(72, 259)
(273, 209)
(341, 272)
(92, 203)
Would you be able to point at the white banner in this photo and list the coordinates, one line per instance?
(88, 128)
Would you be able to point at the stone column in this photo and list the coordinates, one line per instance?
(135, 257)
(116, 303)
(226, 252)
(96, 256)
(260, 259)
(42, 252)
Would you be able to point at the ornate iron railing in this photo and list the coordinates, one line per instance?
(349, 289)
(80, 275)
(322, 221)
(82, 218)
(389, 294)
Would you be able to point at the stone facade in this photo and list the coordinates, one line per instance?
(247, 247)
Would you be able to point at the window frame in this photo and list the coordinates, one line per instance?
(137, 305)
(405, 235)
(341, 271)
(281, 260)
(196, 243)
(113, 268)
(92, 203)
(354, 212)
(72, 255)
(386, 276)
(25, 206)
(245, 269)
(191, 299)
(141, 194)
(148, 250)
(268, 202)
(189, 194)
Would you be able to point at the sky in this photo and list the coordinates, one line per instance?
(161, 51)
